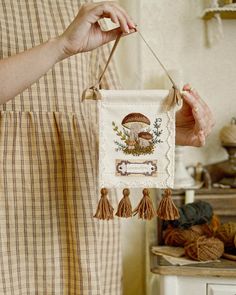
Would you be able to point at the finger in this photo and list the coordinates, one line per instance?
(112, 16)
(190, 99)
(208, 112)
(113, 34)
(187, 87)
(129, 20)
(107, 10)
(203, 121)
(123, 21)
(200, 124)
(197, 140)
(199, 113)
(202, 138)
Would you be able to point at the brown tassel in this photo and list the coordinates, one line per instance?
(167, 209)
(104, 209)
(173, 98)
(145, 209)
(125, 207)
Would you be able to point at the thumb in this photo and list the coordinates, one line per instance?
(113, 34)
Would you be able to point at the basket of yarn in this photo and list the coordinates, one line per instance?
(204, 249)
(226, 233)
(179, 237)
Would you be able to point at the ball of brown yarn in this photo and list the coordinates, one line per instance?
(226, 233)
(179, 237)
(204, 249)
(202, 229)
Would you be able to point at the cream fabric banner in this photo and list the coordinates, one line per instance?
(137, 139)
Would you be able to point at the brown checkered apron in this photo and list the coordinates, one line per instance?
(49, 241)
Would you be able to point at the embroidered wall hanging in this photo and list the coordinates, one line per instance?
(136, 146)
(136, 139)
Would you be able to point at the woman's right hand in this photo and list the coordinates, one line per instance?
(85, 34)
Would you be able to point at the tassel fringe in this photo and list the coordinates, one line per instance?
(125, 207)
(167, 209)
(145, 209)
(104, 209)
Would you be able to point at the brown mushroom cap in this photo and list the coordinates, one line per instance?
(135, 118)
(145, 135)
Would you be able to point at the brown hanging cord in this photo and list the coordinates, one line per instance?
(173, 97)
(158, 59)
(93, 91)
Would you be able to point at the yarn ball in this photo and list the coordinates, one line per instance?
(215, 223)
(203, 229)
(228, 133)
(199, 212)
(179, 237)
(226, 233)
(204, 249)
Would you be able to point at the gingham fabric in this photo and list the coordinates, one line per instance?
(49, 241)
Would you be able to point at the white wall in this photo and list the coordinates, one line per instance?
(177, 34)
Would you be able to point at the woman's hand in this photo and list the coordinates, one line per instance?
(194, 121)
(85, 33)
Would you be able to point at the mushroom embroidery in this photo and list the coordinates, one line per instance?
(137, 137)
(145, 139)
(135, 122)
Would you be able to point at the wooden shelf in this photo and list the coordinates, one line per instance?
(225, 12)
(224, 268)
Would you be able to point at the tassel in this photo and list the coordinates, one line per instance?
(91, 93)
(145, 209)
(104, 209)
(124, 207)
(173, 98)
(167, 209)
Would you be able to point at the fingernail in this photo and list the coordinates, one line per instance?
(132, 30)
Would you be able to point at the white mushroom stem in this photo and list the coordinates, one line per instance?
(135, 129)
(144, 142)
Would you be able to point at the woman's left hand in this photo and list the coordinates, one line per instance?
(194, 121)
